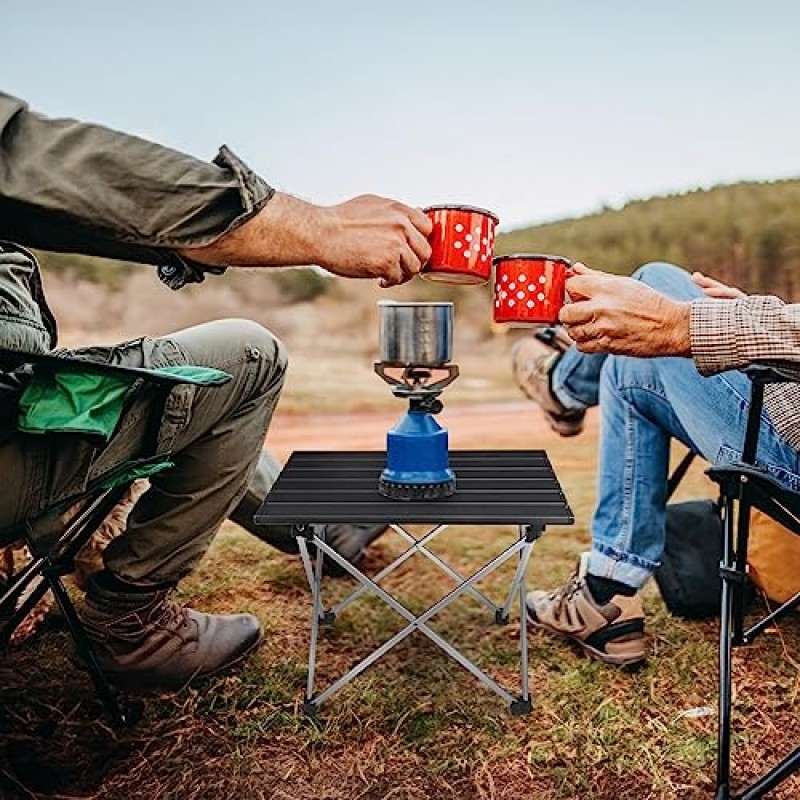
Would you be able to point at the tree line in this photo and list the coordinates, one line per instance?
(747, 234)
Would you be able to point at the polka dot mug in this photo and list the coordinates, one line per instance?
(462, 244)
(529, 287)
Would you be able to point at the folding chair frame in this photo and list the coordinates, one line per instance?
(45, 572)
(309, 536)
(743, 488)
(52, 560)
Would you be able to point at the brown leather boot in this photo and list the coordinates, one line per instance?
(145, 640)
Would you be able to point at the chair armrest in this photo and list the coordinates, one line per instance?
(13, 359)
(760, 376)
(765, 491)
(764, 374)
(72, 406)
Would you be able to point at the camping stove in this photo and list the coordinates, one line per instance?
(415, 349)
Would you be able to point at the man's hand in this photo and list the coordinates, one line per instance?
(610, 314)
(372, 237)
(366, 237)
(713, 288)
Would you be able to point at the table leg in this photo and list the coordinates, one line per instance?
(419, 622)
(314, 575)
(523, 705)
(401, 559)
(417, 546)
(529, 534)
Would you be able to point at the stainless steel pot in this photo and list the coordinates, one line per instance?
(415, 333)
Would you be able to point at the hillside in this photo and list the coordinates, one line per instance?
(747, 234)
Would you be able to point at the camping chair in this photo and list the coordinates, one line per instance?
(744, 486)
(107, 388)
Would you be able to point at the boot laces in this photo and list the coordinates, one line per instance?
(167, 613)
(563, 596)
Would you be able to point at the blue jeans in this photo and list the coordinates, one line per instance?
(644, 403)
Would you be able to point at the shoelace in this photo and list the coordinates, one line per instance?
(167, 613)
(561, 597)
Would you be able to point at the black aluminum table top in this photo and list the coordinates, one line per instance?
(494, 486)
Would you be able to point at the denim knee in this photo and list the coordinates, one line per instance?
(656, 272)
(669, 280)
(625, 372)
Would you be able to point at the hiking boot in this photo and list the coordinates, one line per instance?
(613, 632)
(532, 361)
(349, 540)
(143, 639)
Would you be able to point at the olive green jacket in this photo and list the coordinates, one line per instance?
(69, 186)
(74, 187)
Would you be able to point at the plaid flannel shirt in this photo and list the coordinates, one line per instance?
(732, 334)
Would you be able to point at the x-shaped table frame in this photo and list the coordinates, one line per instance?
(308, 535)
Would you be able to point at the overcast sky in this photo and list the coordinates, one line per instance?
(536, 110)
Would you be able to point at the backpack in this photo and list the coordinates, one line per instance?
(688, 577)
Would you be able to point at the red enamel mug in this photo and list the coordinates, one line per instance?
(529, 287)
(462, 244)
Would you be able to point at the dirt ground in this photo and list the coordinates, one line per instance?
(413, 728)
(469, 427)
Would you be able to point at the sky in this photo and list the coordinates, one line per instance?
(535, 110)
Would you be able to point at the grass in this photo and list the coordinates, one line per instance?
(415, 726)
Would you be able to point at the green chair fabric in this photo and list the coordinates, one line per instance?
(63, 395)
(89, 403)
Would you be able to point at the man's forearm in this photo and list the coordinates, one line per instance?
(366, 237)
(289, 233)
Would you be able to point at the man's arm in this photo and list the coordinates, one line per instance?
(76, 187)
(367, 237)
(64, 182)
(610, 314)
(731, 334)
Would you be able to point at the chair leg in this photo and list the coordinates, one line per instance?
(122, 715)
(725, 658)
(779, 773)
(740, 565)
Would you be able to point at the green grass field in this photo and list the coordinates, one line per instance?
(415, 726)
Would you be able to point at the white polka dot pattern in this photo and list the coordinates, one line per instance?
(528, 290)
(462, 245)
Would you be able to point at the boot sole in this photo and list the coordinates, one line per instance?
(592, 652)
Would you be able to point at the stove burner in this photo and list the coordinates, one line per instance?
(417, 461)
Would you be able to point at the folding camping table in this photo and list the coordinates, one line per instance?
(515, 487)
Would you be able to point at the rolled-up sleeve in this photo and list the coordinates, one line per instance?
(77, 187)
(732, 334)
